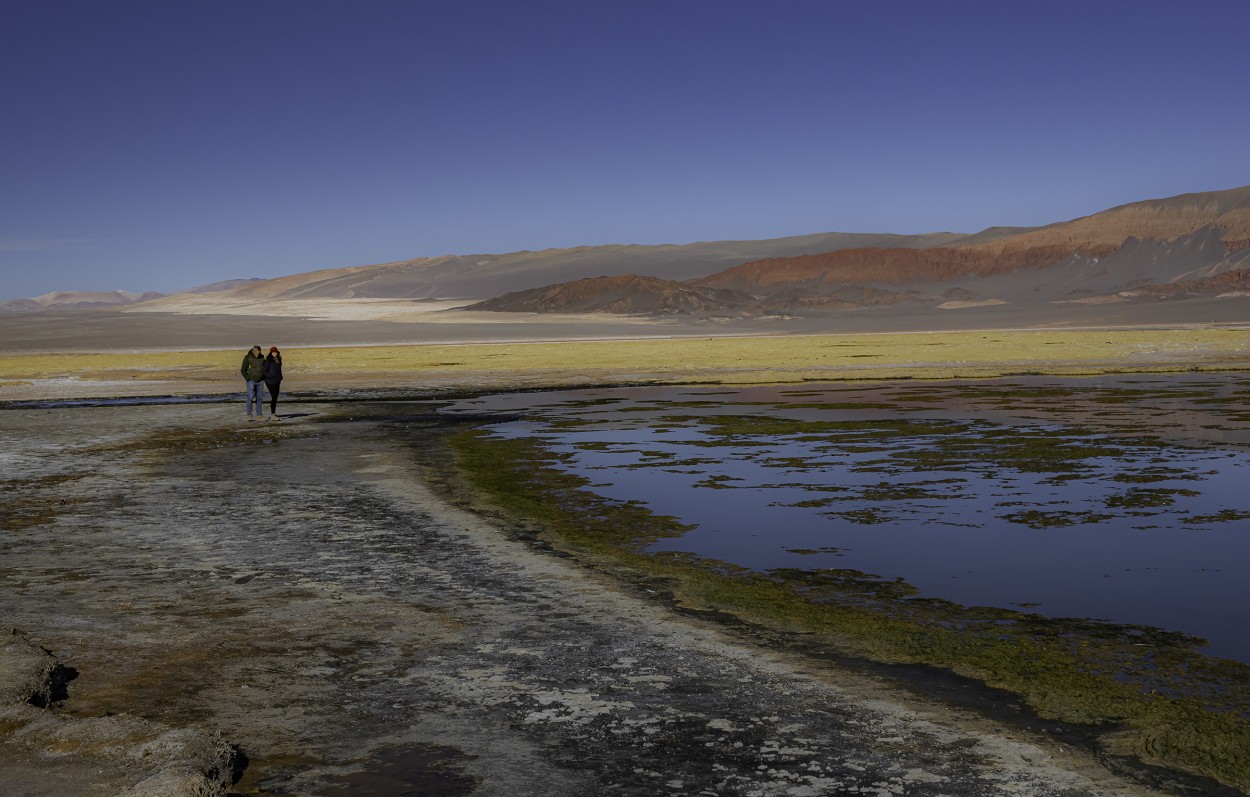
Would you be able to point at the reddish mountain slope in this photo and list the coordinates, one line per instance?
(888, 266)
(1227, 213)
(1164, 220)
(1122, 251)
(477, 276)
(626, 294)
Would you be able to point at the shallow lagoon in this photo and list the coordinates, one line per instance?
(1121, 499)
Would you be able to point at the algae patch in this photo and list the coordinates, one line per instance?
(1152, 693)
(1070, 670)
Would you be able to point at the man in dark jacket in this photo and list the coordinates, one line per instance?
(253, 371)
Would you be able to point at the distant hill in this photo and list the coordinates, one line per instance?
(475, 277)
(224, 285)
(1181, 241)
(627, 294)
(1142, 251)
(78, 299)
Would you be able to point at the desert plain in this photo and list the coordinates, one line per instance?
(333, 344)
(201, 604)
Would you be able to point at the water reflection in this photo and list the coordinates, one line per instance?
(1121, 499)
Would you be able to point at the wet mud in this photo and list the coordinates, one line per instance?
(297, 588)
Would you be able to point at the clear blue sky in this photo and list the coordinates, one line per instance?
(160, 145)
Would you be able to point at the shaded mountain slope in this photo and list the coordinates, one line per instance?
(1182, 239)
(479, 276)
(1230, 284)
(472, 277)
(224, 285)
(624, 294)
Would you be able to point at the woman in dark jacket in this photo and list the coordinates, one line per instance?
(273, 378)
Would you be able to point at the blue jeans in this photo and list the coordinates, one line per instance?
(254, 396)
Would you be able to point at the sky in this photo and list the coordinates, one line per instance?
(156, 145)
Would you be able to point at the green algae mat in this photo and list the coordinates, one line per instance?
(1135, 458)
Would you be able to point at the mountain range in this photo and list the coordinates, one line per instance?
(1189, 245)
(1184, 246)
(86, 299)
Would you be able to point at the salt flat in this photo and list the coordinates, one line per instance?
(297, 588)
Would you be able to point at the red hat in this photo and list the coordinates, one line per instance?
(273, 349)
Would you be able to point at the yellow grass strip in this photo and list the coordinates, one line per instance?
(722, 359)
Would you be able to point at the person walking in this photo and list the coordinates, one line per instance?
(272, 373)
(253, 371)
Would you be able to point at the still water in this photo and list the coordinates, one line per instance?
(1124, 499)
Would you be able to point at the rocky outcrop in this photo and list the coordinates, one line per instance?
(141, 758)
(135, 756)
(28, 673)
